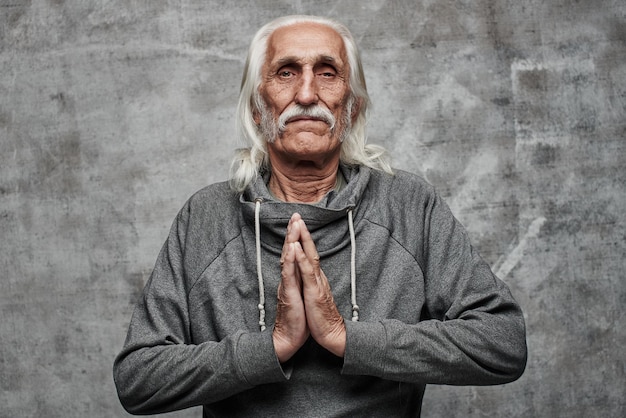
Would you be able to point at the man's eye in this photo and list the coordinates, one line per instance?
(327, 74)
(285, 73)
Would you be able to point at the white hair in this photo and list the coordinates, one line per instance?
(248, 162)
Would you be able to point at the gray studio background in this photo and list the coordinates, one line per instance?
(112, 113)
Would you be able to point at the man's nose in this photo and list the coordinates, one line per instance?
(307, 89)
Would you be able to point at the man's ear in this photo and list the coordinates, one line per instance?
(256, 116)
(356, 109)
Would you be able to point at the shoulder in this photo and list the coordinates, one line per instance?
(404, 202)
(209, 220)
(217, 198)
(212, 210)
(401, 186)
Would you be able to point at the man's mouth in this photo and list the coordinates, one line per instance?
(305, 118)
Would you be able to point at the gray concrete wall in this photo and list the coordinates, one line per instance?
(113, 113)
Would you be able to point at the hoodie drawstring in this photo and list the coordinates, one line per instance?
(355, 307)
(257, 233)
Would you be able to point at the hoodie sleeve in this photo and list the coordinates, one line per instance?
(473, 333)
(160, 370)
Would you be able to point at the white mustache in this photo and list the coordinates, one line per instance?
(313, 111)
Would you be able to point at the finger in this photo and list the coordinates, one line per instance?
(304, 264)
(290, 327)
(293, 232)
(325, 323)
(308, 245)
(313, 278)
(293, 229)
(292, 235)
(289, 270)
(287, 259)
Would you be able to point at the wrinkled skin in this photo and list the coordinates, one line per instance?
(305, 302)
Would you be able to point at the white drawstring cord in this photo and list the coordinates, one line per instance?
(257, 232)
(355, 307)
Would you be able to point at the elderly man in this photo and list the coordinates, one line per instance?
(317, 282)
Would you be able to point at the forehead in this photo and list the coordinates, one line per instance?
(305, 41)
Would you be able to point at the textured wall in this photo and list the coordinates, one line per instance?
(113, 113)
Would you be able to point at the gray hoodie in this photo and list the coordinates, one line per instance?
(430, 309)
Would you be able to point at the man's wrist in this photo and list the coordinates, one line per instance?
(336, 342)
(284, 351)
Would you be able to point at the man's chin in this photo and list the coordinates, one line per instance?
(318, 131)
(306, 133)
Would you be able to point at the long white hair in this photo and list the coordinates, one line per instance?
(248, 162)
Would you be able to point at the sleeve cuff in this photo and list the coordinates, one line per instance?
(365, 348)
(257, 359)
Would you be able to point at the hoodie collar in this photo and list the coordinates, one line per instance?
(330, 211)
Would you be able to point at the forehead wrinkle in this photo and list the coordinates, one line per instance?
(331, 49)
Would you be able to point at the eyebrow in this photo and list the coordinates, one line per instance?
(293, 59)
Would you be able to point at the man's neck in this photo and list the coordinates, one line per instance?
(300, 184)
